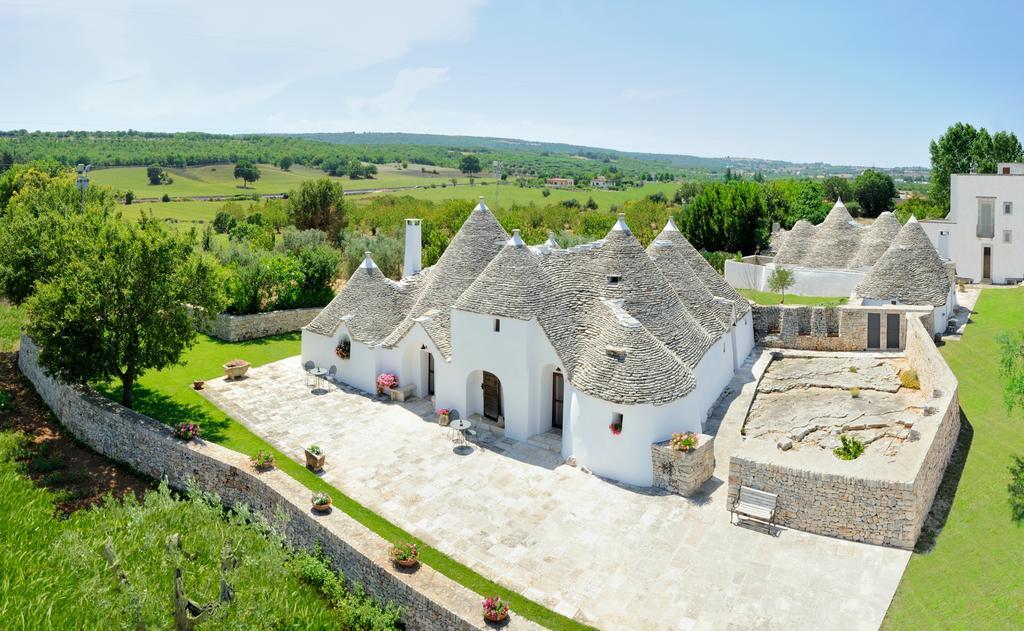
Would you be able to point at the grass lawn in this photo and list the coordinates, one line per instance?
(218, 179)
(972, 578)
(11, 320)
(770, 298)
(167, 395)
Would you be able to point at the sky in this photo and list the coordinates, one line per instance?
(864, 83)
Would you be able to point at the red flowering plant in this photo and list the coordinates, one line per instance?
(685, 441)
(187, 431)
(494, 609)
(443, 412)
(615, 427)
(344, 348)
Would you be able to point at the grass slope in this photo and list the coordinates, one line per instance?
(11, 320)
(770, 298)
(167, 395)
(972, 578)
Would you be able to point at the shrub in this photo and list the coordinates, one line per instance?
(129, 197)
(494, 608)
(853, 369)
(855, 392)
(909, 379)
(5, 401)
(165, 198)
(850, 448)
(404, 551)
(316, 450)
(718, 259)
(188, 431)
(223, 222)
(263, 460)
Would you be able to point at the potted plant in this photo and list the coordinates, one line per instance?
(198, 384)
(344, 348)
(321, 502)
(686, 441)
(187, 431)
(386, 381)
(616, 428)
(315, 457)
(235, 369)
(494, 609)
(263, 460)
(405, 554)
(444, 417)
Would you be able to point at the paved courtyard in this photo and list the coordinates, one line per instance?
(613, 556)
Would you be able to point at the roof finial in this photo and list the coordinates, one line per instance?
(516, 241)
(481, 205)
(551, 243)
(620, 224)
(912, 219)
(671, 225)
(368, 261)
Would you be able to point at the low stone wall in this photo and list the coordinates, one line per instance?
(683, 472)
(835, 329)
(886, 504)
(232, 328)
(430, 601)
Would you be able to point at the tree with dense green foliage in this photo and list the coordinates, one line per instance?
(223, 222)
(285, 163)
(727, 216)
(246, 171)
(918, 207)
(807, 203)
(87, 332)
(129, 197)
(836, 188)
(1006, 147)
(780, 280)
(875, 192)
(155, 173)
(319, 205)
(964, 149)
(470, 164)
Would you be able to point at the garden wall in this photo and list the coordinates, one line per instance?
(753, 273)
(430, 601)
(835, 329)
(683, 472)
(232, 328)
(879, 503)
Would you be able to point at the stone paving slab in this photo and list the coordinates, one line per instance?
(614, 556)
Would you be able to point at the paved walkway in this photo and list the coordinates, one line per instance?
(614, 556)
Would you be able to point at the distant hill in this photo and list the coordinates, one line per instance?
(683, 161)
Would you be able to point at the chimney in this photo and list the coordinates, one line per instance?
(413, 246)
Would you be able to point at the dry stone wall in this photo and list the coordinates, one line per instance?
(683, 472)
(232, 328)
(430, 601)
(834, 329)
(873, 508)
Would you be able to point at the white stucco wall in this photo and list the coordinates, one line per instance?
(807, 282)
(965, 247)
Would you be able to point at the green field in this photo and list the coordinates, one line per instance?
(511, 194)
(769, 298)
(167, 395)
(218, 179)
(972, 578)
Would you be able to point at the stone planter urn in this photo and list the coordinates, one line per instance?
(235, 369)
(315, 461)
(198, 384)
(443, 420)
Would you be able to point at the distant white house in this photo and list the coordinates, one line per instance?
(561, 182)
(600, 182)
(543, 338)
(984, 231)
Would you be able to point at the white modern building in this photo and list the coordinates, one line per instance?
(541, 338)
(984, 231)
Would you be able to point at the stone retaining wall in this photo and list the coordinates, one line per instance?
(430, 601)
(844, 499)
(683, 472)
(233, 328)
(835, 329)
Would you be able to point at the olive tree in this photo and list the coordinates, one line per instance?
(780, 280)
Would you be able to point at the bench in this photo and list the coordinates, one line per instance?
(755, 505)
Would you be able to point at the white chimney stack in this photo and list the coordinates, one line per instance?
(413, 247)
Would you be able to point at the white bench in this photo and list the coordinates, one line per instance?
(755, 505)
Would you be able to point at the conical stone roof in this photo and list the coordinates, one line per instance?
(835, 241)
(511, 286)
(910, 271)
(876, 240)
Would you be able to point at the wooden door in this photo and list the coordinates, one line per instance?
(874, 330)
(892, 330)
(986, 263)
(492, 396)
(557, 394)
(430, 373)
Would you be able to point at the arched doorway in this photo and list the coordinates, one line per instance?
(491, 386)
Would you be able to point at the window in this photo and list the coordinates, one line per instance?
(986, 218)
(1006, 170)
(497, 325)
(614, 280)
(1007, 236)
(1007, 208)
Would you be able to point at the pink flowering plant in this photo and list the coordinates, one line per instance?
(443, 412)
(494, 609)
(387, 380)
(685, 441)
(187, 431)
(615, 427)
(344, 348)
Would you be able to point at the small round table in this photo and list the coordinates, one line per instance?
(319, 374)
(459, 426)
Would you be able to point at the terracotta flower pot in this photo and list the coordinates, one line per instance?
(323, 508)
(315, 462)
(198, 384)
(407, 562)
(493, 616)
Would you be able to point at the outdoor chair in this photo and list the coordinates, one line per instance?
(307, 367)
(332, 374)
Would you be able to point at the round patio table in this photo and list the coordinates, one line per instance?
(319, 374)
(460, 426)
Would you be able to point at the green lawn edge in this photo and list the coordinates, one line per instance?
(167, 396)
(770, 298)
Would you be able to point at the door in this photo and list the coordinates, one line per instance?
(492, 396)
(874, 330)
(557, 394)
(430, 374)
(986, 263)
(892, 330)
